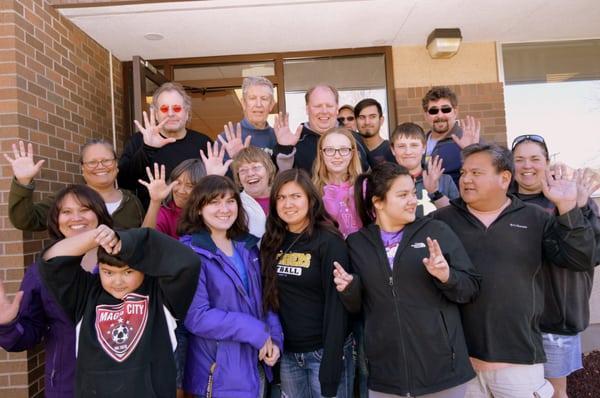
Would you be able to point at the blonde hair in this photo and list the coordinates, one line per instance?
(320, 173)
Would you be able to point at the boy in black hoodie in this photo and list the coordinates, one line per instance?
(125, 314)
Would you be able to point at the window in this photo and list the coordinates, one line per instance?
(553, 89)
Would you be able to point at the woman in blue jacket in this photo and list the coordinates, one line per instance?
(231, 334)
(34, 314)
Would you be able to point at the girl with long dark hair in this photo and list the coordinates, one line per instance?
(231, 333)
(408, 277)
(298, 250)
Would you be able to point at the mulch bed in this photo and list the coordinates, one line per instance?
(585, 383)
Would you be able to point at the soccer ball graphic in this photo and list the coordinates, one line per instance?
(120, 334)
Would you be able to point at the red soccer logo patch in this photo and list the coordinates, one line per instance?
(119, 327)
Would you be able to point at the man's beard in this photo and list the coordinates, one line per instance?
(439, 129)
(367, 133)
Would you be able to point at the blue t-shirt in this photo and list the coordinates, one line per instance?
(239, 265)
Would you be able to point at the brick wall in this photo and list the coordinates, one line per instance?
(483, 101)
(54, 92)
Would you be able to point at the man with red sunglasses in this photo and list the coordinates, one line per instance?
(162, 139)
(447, 136)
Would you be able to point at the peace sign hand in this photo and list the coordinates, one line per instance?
(151, 131)
(9, 309)
(157, 187)
(283, 134)
(233, 139)
(436, 264)
(213, 160)
(24, 169)
(341, 278)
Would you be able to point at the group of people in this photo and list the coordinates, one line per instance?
(279, 263)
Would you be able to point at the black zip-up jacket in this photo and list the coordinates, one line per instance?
(502, 324)
(414, 339)
(306, 150)
(124, 346)
(567, 293)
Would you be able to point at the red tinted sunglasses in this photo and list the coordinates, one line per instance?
(175, 108)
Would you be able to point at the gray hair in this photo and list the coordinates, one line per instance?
(178, 88)
(256, 81)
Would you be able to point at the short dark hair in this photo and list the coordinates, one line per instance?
(501, 157)
(110, 259)
(207, 189)
(437, 93)
(87, 197)
(362, 104)
(408, 130)
(96, 141)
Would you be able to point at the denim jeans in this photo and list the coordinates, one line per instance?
(300, 374)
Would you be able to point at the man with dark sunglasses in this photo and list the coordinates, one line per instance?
(163, 138)
(346, 117)
(447, 136)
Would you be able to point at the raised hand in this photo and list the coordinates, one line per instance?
(436, 264)
(283, 134)
(340, 277)
(272, 355)
(213, 160)
(8, 309)
(156, 185)
(24, 168)
(233, 139)
(560, 190)
(108, 239)
(588, 182)
(471, 132)
(431, 176)
(151, 131)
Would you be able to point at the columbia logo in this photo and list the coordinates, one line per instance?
(518, 226)
(418, 245)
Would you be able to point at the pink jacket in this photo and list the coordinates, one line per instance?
(339, 203)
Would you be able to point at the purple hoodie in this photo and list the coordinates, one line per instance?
(41, 317)
(227, 325)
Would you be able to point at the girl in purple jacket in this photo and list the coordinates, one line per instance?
(34, 314)
(233, 341)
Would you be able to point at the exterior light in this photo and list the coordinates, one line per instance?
(444, 43)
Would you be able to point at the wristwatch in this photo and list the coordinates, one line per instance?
(435, 196)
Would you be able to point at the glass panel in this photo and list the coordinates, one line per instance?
(151, 87)
(551, 61)
(209, 72)
(214, 107)
(355, 78)
(553, 89)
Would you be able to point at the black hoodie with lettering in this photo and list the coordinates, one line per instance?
(502, 324)
(125, 346)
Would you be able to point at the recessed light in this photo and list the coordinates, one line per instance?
(153, 36)
(379, 42)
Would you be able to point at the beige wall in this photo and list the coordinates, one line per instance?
(475, 63)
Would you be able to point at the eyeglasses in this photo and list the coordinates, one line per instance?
(176, 108)
(92, 164)
(253, 169)
(529, 137)
(435, 111)
(330, 151)
(343, 119)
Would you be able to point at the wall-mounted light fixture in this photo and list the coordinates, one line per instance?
(444, 43)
